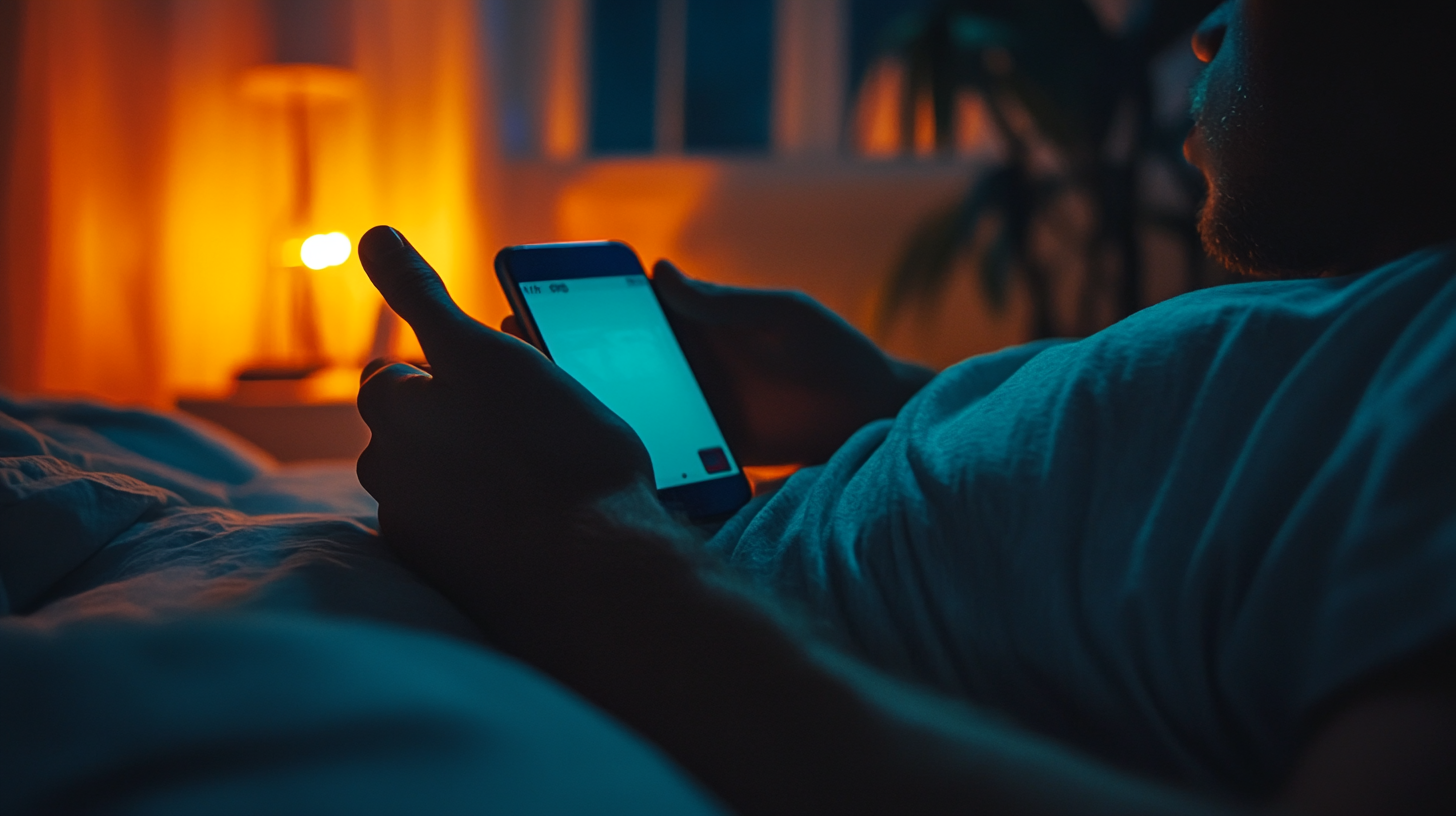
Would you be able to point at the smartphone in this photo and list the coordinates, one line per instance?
(590, 307)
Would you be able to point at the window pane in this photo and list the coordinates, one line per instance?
(623, 75)
(729, 62)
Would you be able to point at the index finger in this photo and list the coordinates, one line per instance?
(413, 289)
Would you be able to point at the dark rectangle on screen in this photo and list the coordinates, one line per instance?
(714, 460)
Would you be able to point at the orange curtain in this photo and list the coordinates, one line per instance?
(83, 205)
(144, 186)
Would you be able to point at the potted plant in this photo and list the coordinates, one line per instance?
(1071, 104)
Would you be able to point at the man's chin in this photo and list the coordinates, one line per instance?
(1224, 238)
(1243, 239)
(1220, 245)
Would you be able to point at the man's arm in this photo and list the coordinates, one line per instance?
(516, 493)
(746, 701)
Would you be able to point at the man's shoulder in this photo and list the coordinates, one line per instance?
(1224, 349)
(1230, 306)
(1300, 299)
(1270, 320)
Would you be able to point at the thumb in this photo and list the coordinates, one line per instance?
(414, 291)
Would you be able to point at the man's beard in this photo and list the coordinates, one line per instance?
(1225, 237)
(1315, 200)
(1267, 235)
(1229, 238)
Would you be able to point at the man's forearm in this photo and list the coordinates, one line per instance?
(769, 720)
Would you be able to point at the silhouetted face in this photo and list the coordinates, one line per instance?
(1316, 126)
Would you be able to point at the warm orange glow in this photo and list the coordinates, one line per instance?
(972, 132)
(290, 253)
(924, 125)
(321, 83)
(877, 117)
(564, 130)
(645, 202)
(85, 199)
(768, 477)
(161, 151)
(430, 152)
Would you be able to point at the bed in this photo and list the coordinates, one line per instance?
(187, 626)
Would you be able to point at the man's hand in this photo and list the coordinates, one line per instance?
(482, 465)
(788, 380)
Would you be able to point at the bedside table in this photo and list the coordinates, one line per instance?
(291, 432)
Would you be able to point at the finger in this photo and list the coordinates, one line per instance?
(378, 468)
(414, 290)
(369, 468)
(510, 325)
(379, 393)
(395, 370)
(373, 366)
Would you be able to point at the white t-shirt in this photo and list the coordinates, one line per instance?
(1167, 543)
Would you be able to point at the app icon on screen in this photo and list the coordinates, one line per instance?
(714, 459)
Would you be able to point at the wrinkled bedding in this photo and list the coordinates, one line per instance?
(186, 626)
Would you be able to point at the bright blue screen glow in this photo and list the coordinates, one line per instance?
(611, 335)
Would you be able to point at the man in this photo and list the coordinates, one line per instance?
(1205, 556)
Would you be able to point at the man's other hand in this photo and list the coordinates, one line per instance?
(788, 380)
(492, 441)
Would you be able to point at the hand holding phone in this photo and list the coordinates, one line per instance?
(788, 379)
(494, 440)
(590, 307)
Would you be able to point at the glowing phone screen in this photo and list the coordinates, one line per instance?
(611, 335)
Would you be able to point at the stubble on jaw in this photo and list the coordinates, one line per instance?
(1323, 142)
(1288, 208)
(1224, 241)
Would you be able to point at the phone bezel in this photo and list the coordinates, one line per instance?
(700, 501)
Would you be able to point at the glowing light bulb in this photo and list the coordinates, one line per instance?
(325, 250)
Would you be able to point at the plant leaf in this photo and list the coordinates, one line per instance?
(928, 259)
(977, 32)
